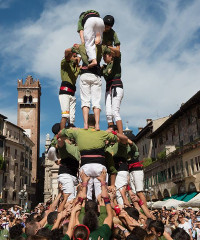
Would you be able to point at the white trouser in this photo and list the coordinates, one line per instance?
(69, 183)
(90, 89)
(93, 170)
(93, 25)
(68, 106)
(137, 180)
(121, 180)
(113, 104)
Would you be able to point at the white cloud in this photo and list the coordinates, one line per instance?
(10, 113)
(160, 61)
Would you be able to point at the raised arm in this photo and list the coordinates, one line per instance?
(104, 193)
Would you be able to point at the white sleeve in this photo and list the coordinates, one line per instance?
(52, 154)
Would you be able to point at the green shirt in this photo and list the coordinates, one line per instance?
(113, 69)
(81, 50)
(89, 139)
(66, 237)
(133, 151)
(69, 150)
(103, 232)
(101, 218)
(49, 226)
(69, 71)
(80, 21)
(110, 38)
(4, 234)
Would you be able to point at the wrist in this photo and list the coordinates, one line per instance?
(106, 200)
(140, 203)
(103, 183)
(117, 210)
(84, 184)
(113, 132)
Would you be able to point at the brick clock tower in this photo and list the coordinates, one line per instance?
(28, 116)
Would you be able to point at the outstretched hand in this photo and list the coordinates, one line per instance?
(102, 177)
(84, 177)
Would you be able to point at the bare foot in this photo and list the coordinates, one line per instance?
(97, 127)
(85, 126)
(60, 142)
(93, 63)
(98, 38)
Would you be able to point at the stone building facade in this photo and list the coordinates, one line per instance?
(51, 174)
(175, 152)
(17, 157)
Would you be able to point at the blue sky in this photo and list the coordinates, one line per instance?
(160, 44)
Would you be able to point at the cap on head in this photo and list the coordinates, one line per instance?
(109, 20)
(56, 128)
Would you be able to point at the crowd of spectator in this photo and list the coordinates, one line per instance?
(99, 219)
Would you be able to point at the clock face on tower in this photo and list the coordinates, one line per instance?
(26, 116)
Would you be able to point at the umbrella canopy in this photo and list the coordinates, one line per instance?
(168, 203)
(194, 202)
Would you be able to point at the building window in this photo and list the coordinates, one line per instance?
(192, 166)
(155, 143)
(26, 180)
(14, 183)
(145, 146)
(26, 163)
(173, 171)
(191, 138)
(177, 167)
(6, 195)
(187, 168)
(14, 196)
(7, 153)
(197, 164)
(169, 173)
(5, 179)
(10, 133)
(143, 150)
(16, 168)
(166, 136)
(15, 154)
(160, 140)
(181, 143)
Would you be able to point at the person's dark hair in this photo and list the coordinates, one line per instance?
(132, 237)
(118, 234)
(81, 232)
(31, 218)
(91, 220)
(91, 120)
(31, 228)
(139, 232)
(38, 237)
(151, 236)
(15, 231)
(91, 205)
(46, 232)
(109, 20)
(132, 212)
(180, 234)
(114, 127)
(57, 234)
(158, 225)
(56, 128)
(52, 217)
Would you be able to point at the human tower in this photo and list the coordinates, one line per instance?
(90, 150)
